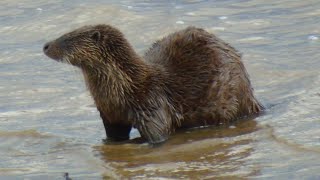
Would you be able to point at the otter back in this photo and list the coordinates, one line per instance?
(189, 78)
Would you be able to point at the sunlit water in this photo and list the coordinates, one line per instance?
(49, 124)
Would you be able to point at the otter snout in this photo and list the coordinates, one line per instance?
(46, 47)
(52, 50)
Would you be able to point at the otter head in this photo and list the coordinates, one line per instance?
(86, 46)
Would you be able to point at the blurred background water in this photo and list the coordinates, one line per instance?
(49, 124)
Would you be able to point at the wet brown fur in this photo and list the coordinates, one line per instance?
(190, 78)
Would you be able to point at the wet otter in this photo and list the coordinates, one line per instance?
(187, 79)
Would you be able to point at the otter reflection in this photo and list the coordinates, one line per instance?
(208, 152)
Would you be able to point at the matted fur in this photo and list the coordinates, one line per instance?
(187, 79)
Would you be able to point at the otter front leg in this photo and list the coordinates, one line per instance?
(116, 131)
(154, 126)
(152, 133)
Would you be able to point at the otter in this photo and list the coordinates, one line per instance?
(189, 78)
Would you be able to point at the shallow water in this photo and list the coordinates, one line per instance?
(49, 124)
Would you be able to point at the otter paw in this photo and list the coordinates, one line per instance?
(152, 133)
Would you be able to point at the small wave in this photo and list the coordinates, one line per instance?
(289, 143)
(10, 171)
(21, 112)
(256, 38)
(24, 133)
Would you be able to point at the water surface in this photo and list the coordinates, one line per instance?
(49, 124)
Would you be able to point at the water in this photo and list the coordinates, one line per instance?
(49, 124)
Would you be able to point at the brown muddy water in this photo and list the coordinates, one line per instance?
(49, 124)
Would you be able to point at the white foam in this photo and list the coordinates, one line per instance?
(179, 22)
(313, 38)
(190, 14)
(254, 38)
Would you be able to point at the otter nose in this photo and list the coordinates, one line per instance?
(46, 47)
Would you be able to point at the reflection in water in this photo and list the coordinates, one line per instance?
(210, 152)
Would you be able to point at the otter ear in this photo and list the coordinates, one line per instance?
(96, 36)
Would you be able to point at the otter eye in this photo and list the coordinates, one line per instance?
(96, 36)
